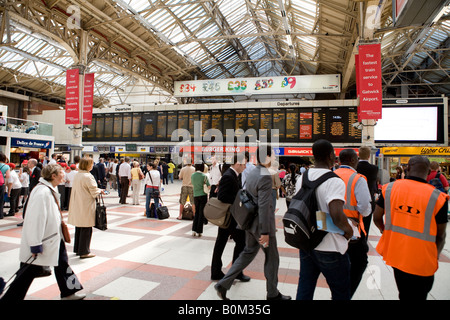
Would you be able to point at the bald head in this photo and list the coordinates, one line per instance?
(419, 166)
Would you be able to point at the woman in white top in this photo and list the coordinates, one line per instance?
(153, 184)
(24, 177)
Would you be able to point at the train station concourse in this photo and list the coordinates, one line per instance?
(176, 82)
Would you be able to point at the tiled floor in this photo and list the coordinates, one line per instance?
(148, 259)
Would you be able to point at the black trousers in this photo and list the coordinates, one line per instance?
(68, 282)
(124, 186)
(222, 238)
(82, 241)
(200, 203)
(411, 286)
(357, 253)
(14, 201)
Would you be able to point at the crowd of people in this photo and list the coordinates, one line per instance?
(410, 212)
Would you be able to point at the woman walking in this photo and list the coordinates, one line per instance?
(199, 179)
(42, 242)
(136, 174)
(82, 207)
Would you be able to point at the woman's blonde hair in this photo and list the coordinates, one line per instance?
(86, 163)
(49, 170)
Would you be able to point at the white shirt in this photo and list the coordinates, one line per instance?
(155, 180)
(248, 167)
(125, 170)
(24, 179)
(14, 179)
(215, 174)
(332, 189)
(70, 176)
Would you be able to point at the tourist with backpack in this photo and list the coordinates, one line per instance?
(436, 178)
(329, 256)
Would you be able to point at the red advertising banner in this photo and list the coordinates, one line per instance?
(369, 81)
(72, 97)
(88, 98)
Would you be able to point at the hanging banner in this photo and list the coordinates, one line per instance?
(323, 83)
(369, 81)
(88, 98)
(72, 97)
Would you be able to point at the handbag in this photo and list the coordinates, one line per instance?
(162, 212)
(188, 212)
(64, 227)
(244, 209)
(100, 214)
(218, 212)
(205, 186)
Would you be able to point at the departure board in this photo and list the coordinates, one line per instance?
(127, 122)
(109, 122)
(337, 123)
(183, 120)
(354, 135)
(292, 128)
(171, 123)
(216, 120)
(193, 116)
(279, 123)
(293, 124)
(136, 129)
(205, 118)
(319, 123)
(306, 124)
(161, 128)
(265, 122)
(149, 122)
(253, 123)
(228, 121)
(99, 127)
(117, 132)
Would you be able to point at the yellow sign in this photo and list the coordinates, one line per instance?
(424, 151)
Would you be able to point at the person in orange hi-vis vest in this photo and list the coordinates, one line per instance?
(413, 229)
(357, 205)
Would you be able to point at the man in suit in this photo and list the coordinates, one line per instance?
(370, 171)
(262, 232)
(228, 187)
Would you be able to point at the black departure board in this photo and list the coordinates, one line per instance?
(161, 128)
(253, 123)
(172, 117)
(109, 123)
(149, 122)
(205, 118)
(292, 128)
(183, 120)
(99, 127)
(136, 129)
(117, 132)
(279, 123)
(306, 125)
(193, 117)
(293, 124)
(127, 122)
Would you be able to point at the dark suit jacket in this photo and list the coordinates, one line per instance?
(228, 187)
(259, 184)
(370, 171)
(34, 177)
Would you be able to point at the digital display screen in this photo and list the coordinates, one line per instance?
(109, 123)
(171, 123)
(127, 121)
(149, 120)
(279, 122)
(162, 126)
(408, 124)
(292, 128)
(136, 130)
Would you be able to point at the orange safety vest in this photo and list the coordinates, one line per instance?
(408, 242)
(350, 178)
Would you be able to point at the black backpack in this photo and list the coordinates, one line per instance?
(300, 225)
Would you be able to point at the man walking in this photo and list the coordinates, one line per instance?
(413, 229)
(261, 234)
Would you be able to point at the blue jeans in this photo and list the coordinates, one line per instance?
(333, 265)
(149, 194)
(171, 177)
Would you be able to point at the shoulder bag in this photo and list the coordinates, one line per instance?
(217, 212)
(64, 228)
(162, 211)
(244, 209)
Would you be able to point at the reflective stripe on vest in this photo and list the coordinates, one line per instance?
(425, 234)
(348, 196)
